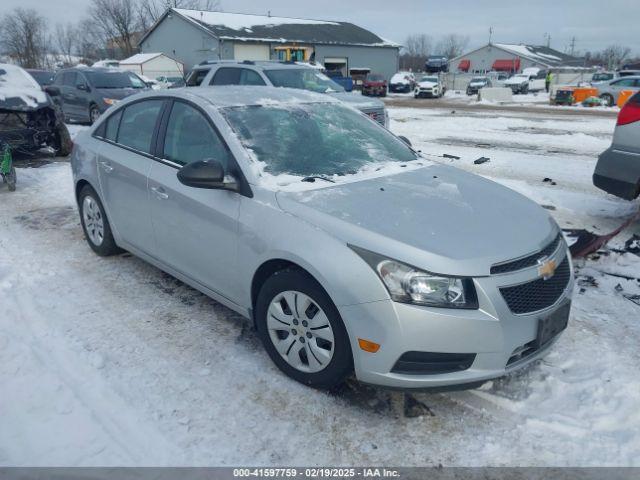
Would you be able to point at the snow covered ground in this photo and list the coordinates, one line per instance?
(109, 361)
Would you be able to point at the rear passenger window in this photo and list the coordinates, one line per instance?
(112, 126)
(69, 79)
(196, 77)
(249, 77)
(236, 76)
(138, 123)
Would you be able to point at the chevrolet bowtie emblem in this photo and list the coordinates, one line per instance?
(546, 268)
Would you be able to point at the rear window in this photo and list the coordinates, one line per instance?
(138, 123)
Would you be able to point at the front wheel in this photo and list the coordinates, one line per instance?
(62, 140)
(302, 331)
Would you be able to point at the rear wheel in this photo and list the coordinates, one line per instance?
(302, 331)
(95, 223)
(607, 99)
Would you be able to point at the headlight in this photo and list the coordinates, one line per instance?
(407, 284)
(110, 101)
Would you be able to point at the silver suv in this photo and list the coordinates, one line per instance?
(618, 168)
(281, 74)
(348, 250)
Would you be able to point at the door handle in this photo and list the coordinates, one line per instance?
(106, 167)
(160, 193)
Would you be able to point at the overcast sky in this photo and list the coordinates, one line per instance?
(595, 24)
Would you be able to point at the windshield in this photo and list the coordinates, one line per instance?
(429, 79)
(599, 77)
(115, 79)
(303, 79)
(375, 78)
(314, 139)
(521, 76)
(478, 80)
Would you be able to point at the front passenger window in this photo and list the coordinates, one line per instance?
(190, 137)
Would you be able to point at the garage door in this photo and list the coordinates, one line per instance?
(250, 51)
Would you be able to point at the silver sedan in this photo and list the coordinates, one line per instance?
(349, 251)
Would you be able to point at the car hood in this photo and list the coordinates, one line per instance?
(427, 84)
(515, 81)
(119, 93)
(437, 218)
(477, 84)
(22, 99)
(357, 101)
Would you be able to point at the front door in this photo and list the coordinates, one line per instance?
(124, 162)
(195, 229)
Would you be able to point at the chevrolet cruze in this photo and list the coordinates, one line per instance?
(349, 251)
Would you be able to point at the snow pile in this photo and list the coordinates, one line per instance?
(245, 22)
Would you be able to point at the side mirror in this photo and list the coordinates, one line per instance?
(52, 91)
(206, 174)
(405, 139)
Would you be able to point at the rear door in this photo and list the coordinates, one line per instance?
(196, 230)
(69, 94)
(124, 162)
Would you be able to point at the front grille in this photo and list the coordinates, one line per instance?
(539, 294)
(378, 115)
(528, 261)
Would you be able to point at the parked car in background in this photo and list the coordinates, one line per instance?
(628, 73)
(600, 77)
(280, 74)
(300, 214)
(610, 91)
(402, 82)
(375, 85)
(477, 83)
(497, 78)
(29, 120)
(85, 93)
(436, 64)
(530, 80)
(618, 168)
(166, 82)
(43, 77)
(429, 86)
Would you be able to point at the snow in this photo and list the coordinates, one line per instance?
(139, 58)
(245, 22)
(524, 51)
(15, 82)
(109, 361)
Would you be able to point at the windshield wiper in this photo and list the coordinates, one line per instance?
(312, 178)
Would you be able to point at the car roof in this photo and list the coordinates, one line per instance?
(238, 96)
(93, 70)
(262, 64)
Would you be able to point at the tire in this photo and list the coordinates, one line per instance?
(525, 89)
(101, 243)
(62, 140)
(94, 114)
(332, 362)
(608, 99)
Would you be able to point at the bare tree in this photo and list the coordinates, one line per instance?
(452, 45)
(615, 55)
(67, 39)
(150, 10)
(116, 22)
(23, 36)
(415, 52)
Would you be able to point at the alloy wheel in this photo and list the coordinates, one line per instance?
(93, 221)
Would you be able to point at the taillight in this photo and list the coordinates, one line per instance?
(630, 111)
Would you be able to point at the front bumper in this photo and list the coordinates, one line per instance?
(400, 88)
(492, 333)
(426, 92)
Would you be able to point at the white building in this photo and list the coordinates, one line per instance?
(153, 65)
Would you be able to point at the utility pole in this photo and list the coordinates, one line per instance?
(490, 34)
(573, 46)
